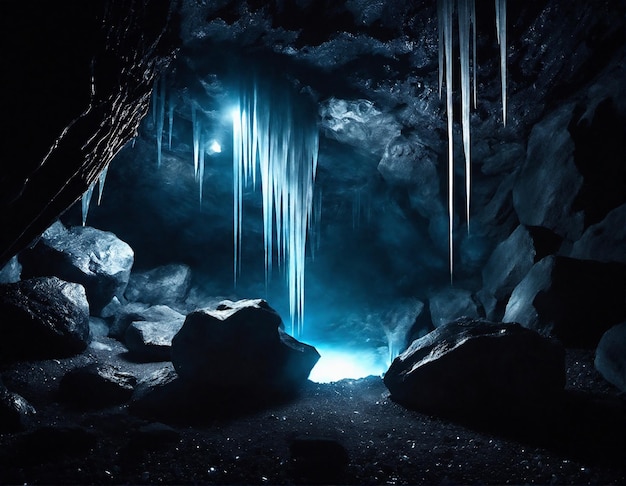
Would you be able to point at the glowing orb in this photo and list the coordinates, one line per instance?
(215, 147)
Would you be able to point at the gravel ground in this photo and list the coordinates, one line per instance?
(303, 439)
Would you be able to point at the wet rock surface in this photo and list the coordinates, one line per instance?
(151, 341)
(134, 312)
(43, 317)
(168, 284)
(96, 259)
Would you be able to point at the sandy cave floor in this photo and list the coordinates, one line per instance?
(385, 442)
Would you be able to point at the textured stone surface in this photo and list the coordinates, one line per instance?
(574, 300)
(152, 341)
(604, 241)
(610, 358)
(98, 260)
(240, 345)
(451, 303)
(470, 367)
(43, 318)
(135, 312)
(168, 284)
(97, 385)
(15, 412)
(11, 272)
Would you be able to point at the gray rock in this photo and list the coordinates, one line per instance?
(240, 345)
(160, 394)
(573, 300)
(451, 303)
(548, 182)
(96, 259)
(135, 312)
(604, 241)
(11, 272)
(610, 358)
(97, 385)
(469, 367)
(16, 413)
(152, 341)
(168, 284)
(43, 318)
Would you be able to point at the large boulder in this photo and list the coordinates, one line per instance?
(43, 317)
(168, 284)
(573, 300)
(610, 358)
(240, 345)
(15, 412)
(98, 260)
(152, 341)
(473, 366)
(135, 312)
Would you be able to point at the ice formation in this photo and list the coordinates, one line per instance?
(101, 180)
(466, 14)
(274, 136)
(84, 203)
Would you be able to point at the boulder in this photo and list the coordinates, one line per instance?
(471, 366)
(135, 312)
(15, 412)
(11, 272)
(168, 284)
(573, 300)
(152, 341)
(97, 385)
(43, 317)
(160, 395)
(240, 345)
(96, 259)
(547, 185)
(610, 358)
(451, 303)
(604, 241)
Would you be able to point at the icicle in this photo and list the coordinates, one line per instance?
(101, 180)
(474, 65)
(155, 90)
(86, 199)
(464, 15)
(501, 33)
(269, 132)
(170, 119)
(160, 119)
(440, 20)
(201, 165)
(196, 142)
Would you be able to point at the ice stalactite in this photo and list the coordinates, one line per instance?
(273, 134)
(199, 149)
(501, 31)
(85, 201)
(201, 156)
(170, 120)
(195, 130)
(466, 14)
(160, 121)
(101, 180)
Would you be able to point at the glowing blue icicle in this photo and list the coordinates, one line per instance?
(86, 199)
(201, 165)
(170, 119)
(237, 191)
(474, 65)
(447, 9)
(101, 180)
(501, 33)
(440, 20)
(196, 142)
(160, 119)
(464, 16)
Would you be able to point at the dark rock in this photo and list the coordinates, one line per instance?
(573, 300)
(506, 156)
(604, 241)
(548, 182)
(610, 358)
(15, 412)
(318, 457)
(451, 303)
(469, 367)
(240, 345)
(160, 395)
(43, 318)
(152, 341)
(11, 272)
(168, 284)
(98, 327)
(96, 259)
(135, 312)
(97, 385)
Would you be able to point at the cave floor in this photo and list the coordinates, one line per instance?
(386, 443)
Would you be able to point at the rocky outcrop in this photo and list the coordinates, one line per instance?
(16, 413)
(573, 300)
(471, 367)
(152, 341)
(43, 318)
(240, 345)
(610, 358)
(98, 260)
(135, 312)
(168, 284)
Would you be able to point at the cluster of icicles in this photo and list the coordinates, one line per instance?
(276, 142)
(466, 14)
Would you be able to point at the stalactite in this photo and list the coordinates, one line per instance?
(270, 131)
(101, 180)
(85, 201)
(160, 121)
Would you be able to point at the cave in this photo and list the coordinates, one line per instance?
(313, 242)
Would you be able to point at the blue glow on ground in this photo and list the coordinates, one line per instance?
(337, 364)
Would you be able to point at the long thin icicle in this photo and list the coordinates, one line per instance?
(464, 16)
(86, 199)
(195, 131)
(170, 119)
(269, 131)
(501, 31)
(101, 180)
(160, 119)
